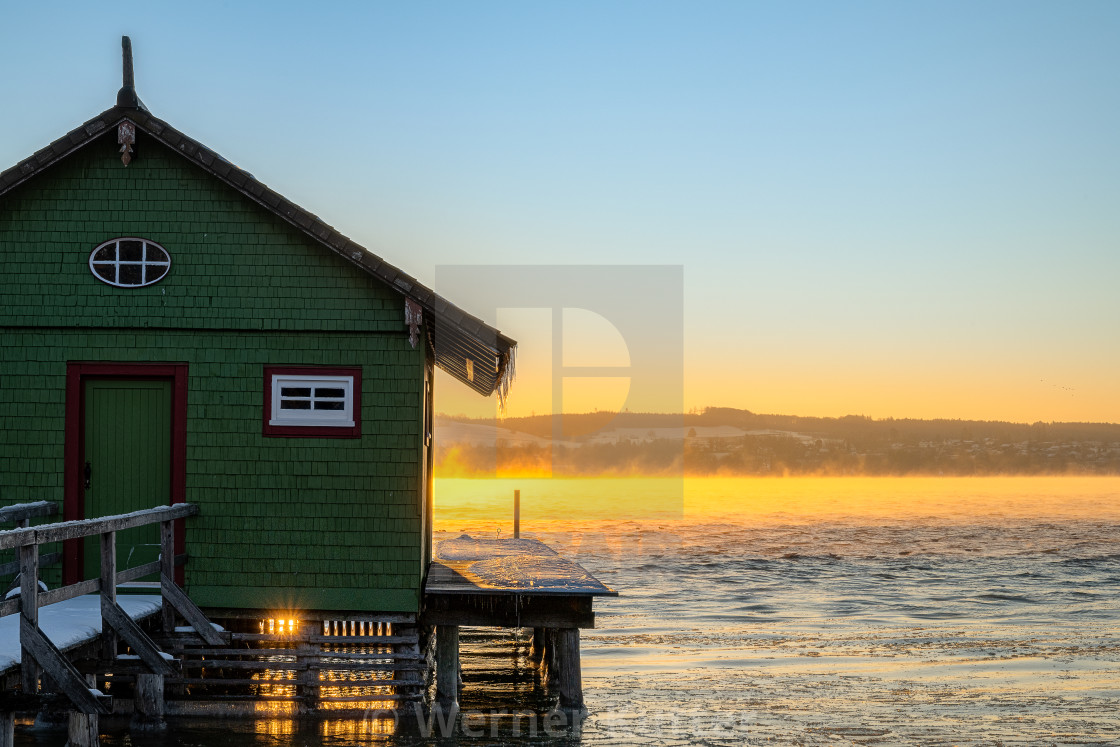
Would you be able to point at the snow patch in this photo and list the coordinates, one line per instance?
(165, 656)
(190, 628)
(15, 592)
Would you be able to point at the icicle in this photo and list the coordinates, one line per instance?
(507, 370)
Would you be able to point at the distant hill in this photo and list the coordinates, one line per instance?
(723, 440)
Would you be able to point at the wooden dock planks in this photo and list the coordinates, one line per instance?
(508, 583)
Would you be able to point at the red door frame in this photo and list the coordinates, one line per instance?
(74, 503)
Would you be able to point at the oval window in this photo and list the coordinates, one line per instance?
(129, 262)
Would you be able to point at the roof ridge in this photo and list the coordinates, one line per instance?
(457, 334)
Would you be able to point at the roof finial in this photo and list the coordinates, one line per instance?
(126, 97)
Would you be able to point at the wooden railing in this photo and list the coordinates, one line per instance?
(21, 515)
(38, 652)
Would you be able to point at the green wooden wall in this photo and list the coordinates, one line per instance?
(285, 522)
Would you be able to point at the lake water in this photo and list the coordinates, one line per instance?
(794, 611)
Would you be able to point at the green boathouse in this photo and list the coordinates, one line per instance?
(173, 330)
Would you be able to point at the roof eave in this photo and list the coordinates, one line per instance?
(490, 344)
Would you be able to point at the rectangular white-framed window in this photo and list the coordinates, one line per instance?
(313, 400)
(309, 402)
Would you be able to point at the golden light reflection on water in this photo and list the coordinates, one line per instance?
(370, 725)
(275, 717)
(547, 502)
(373, 704)
(340, 687)
(279, 719)
(275, 683)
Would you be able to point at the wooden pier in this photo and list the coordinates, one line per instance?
(102, 651)
(511, 583)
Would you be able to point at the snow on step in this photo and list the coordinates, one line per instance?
(190, 628)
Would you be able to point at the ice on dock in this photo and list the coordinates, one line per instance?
(466, 547)
(532, 571)
(467, 564)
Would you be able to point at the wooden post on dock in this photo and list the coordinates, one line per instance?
(108, 594)
(570, 674)
(551, 658)
(83, 727)
(29, 612)
(8, 718)
(7, 729)
(149, 703)
(538, 645)
(82, 730)
(308, 657)
(447, 665)
(167, 570)
(517, 514)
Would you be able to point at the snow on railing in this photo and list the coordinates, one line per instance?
(21, 515)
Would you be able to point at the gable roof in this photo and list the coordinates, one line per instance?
(464, 346)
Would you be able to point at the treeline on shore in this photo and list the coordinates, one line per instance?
(849, 427)
(791, 445)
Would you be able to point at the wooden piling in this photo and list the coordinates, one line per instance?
(82, 730)
(447, 665)
(7, 729)
(308, 658)
(551, 658)
(517, 514)
(537, 648)
(570, 677)
(149, 703)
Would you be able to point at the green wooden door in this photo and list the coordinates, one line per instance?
(128, 461)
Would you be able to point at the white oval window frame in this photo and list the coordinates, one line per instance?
(143, 263)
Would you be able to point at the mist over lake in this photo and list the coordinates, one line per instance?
(786, 611)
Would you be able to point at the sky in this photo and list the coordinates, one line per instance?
(876, 208)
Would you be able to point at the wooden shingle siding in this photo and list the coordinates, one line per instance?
(234, 265)
(285, 522)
